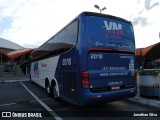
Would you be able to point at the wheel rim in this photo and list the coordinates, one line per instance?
(48, 89)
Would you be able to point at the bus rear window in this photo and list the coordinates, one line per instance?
(110, 33)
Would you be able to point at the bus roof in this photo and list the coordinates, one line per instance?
(105, 15)
(87, 14)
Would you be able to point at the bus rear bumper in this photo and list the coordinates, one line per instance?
(95, 98)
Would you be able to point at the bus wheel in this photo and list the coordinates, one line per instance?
(48, 89)
(55, 92)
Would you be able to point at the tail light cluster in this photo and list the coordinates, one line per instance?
(85, 79)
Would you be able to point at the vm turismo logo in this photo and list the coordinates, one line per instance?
(113, 30)
(112, 26)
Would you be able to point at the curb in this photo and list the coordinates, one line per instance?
(11, 81)
(143, 101)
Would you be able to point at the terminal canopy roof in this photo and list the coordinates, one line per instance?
(150, 52)
(20, 52)
(14, 54)
(3, 55)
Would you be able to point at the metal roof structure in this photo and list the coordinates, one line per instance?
(16, 53)
(10, 51)
(3, 56)
(148, 54)
(19, 52)
(154, 52)
(9, 45)
(14, 59)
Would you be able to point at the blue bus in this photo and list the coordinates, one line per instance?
(91, 60)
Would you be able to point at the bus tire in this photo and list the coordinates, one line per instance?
(48, 88)
(55, 91)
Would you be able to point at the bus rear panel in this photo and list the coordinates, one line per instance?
(108, 59)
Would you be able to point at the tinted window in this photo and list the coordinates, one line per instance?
(71, 33)
(52, 40)
(61, 42)
(60, 37)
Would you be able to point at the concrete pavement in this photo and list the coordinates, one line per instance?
(146, 101)
(11, 78)
(136, 99)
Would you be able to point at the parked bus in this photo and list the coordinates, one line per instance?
(89, 61)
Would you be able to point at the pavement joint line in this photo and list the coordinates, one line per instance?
(42, 103)
(29, 101)
(45, 99)
(7, 104)
(11, 81)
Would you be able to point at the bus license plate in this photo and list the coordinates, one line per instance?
(115, 87)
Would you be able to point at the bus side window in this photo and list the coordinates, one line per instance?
(60, 38)
(72, 33)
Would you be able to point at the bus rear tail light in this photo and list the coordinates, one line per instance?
(84, 78)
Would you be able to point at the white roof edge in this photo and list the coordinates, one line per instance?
(9, 44)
